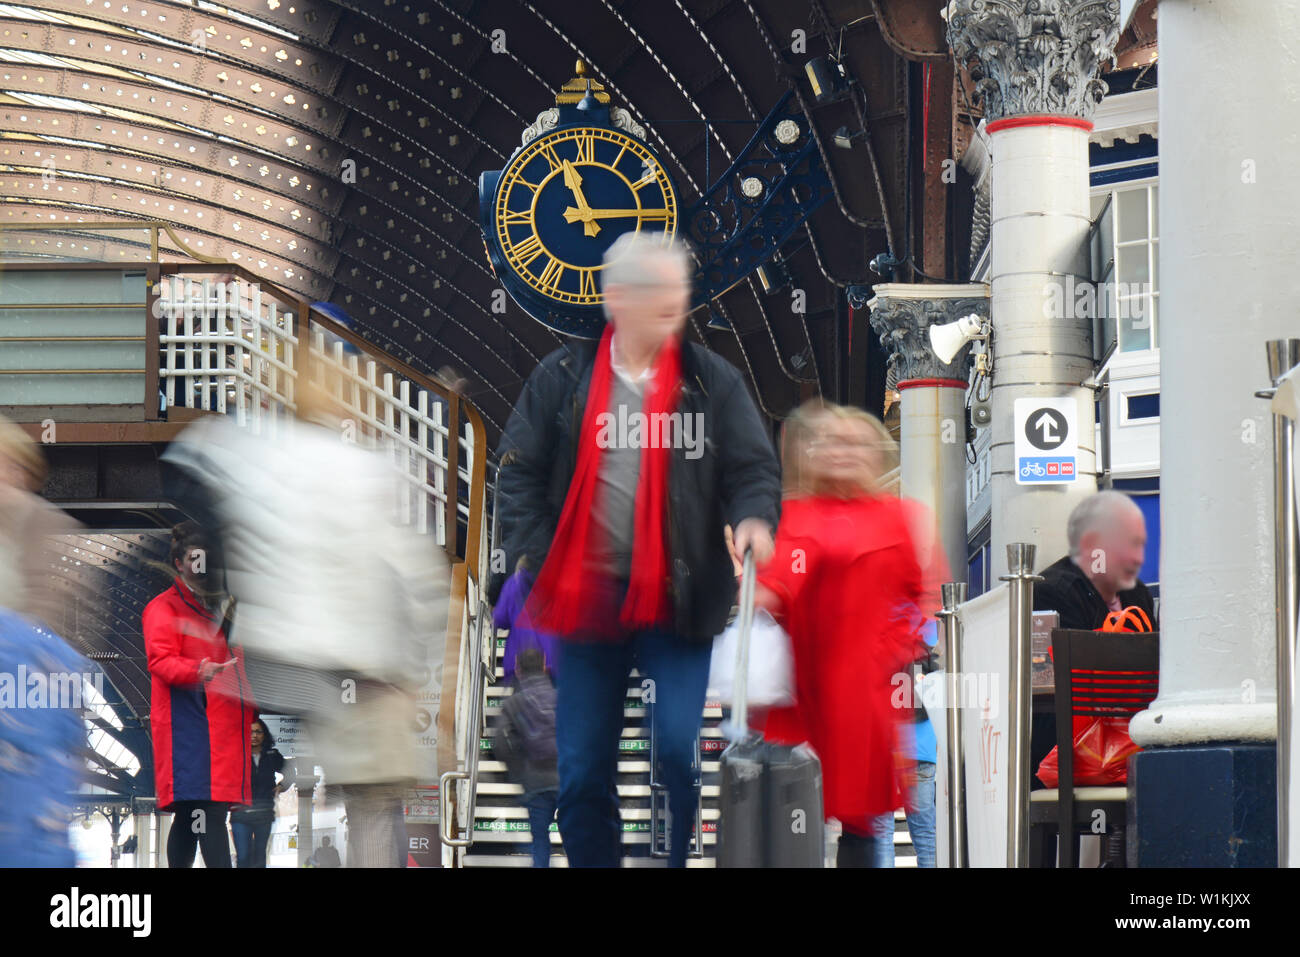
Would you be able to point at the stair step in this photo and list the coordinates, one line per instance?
(712, 734)
(520, 813)
(517, 832)
(715, 711)
(624, 790)
(559, 860)
(624, 767)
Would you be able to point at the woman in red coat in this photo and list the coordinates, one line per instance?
(201, 708)
(847, 584)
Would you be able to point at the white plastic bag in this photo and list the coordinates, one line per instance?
(771, 664)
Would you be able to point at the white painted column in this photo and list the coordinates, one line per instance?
(1229, 209)
(932, 413)
(1039, 223)
(1035, 68)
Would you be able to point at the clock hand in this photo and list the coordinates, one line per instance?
(616, 213)
(573, 180)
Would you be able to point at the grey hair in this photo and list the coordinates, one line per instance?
(1092, 512)
(628, 261)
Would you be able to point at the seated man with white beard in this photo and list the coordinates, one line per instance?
(1108, 536)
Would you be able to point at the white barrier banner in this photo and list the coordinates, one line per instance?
(981, 691)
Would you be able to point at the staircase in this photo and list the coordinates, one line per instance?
(502, 837)
(501, 833)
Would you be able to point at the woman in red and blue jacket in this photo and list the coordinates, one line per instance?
(201, 707)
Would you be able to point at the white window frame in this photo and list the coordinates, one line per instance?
(1152, 244)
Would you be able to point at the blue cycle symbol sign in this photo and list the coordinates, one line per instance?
(1047, 441)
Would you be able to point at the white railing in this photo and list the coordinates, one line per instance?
(227, 347)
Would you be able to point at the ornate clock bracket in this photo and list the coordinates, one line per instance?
(774, 185)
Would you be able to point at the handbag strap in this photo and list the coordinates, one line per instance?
(1130, 619)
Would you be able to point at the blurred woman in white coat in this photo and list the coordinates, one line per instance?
(340, 610)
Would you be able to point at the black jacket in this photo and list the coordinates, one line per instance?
(1066, 589)
(736, 477)
(263, 784)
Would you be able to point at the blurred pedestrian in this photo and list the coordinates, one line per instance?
(340, 608)
(847, 584)
(326, 855)
(201, 706)
(621, 464)
(918, 749)
(42, 738)
(28, 526)
(526, 743)
(251, 826)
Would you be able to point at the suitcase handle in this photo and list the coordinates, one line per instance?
(739, 702)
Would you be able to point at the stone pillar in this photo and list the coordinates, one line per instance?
(1228, 208)
(932, 413)
(1035, 66)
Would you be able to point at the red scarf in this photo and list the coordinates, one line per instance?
(561, 591)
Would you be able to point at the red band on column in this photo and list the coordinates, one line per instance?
(932, 383)
(1046, 119)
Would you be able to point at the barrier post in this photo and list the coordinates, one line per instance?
(954, 594)
(305, 781)
(1284, 355)
(1020, 562)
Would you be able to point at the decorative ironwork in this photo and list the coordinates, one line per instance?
(735, 230)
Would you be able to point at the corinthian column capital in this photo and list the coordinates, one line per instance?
(902, 314)
(1034, 56)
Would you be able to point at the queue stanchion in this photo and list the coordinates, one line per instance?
(954, 594)
(1020, 563)
(1283, 356)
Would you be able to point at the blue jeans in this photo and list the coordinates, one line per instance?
(541, 811)
(251, 836)
(592, 685)
(920, 821)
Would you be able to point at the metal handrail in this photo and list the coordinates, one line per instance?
(474, 726)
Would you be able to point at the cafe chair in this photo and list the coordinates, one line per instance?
(1098, 674)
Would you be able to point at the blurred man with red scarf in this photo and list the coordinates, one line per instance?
(621, 466)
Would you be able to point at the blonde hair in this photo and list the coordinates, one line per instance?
(883, 444)
(797, 433)
(17, 446)
(800, 431)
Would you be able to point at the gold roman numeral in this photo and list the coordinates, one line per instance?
(586, 149)
(548, 153)
(586, 282)
(528, 250)
(550, 276)
(645, 180)
(521, 218)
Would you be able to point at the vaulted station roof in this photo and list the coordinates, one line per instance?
(334, 147)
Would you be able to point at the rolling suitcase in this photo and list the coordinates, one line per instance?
(771, 794)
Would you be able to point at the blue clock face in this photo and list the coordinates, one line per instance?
(561, 203)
